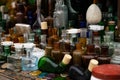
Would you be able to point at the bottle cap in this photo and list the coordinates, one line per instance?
(44, 25)
(107, 72)
(66, 59)
(93, 63)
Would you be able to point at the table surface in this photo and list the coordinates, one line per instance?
(6, 74)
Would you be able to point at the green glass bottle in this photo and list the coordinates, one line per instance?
(46, 64)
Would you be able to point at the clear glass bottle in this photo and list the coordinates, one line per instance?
(46, 64)
(60, 16)
(15, 59)
(29, 62)
(115, 59)
(44, 34)
(6, 50)
(65, 43)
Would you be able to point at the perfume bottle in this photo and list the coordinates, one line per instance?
(48, 65)
(29, 62)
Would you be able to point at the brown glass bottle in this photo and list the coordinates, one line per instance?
(77, 55)
(54, 36)
(48, 48)
(56, 53)
(64, 43)
(90, 49)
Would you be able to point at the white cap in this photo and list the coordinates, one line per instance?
(18, 45)
(29, 45)
(7, 43)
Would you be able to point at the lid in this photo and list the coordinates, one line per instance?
(7, 43)
(18, 45)
(107, 71)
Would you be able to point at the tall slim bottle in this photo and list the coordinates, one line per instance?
(44, 33)
(77, 55)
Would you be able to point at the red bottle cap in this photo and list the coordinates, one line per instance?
(107, 72)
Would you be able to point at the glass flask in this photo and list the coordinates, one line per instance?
(29, 62)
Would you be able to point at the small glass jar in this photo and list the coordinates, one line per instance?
(29, 62)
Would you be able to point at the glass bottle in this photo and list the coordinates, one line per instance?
(44, 35)
(29, 62)
(39, 16)
(6, 50)
(96, 41)
(60, 16)
(83, 35)
(77, 73)
(48, 65)
(65, 43)
(115, 59)
(77, 55)
(104, 57)
(37, 37)
(49, 18)
(15, 59)
(111, 26)
(56, 52)
(44, 28)
(72, 14)
(49, 47)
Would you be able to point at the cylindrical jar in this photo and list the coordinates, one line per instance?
(106, 72)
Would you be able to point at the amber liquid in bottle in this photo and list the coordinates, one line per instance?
(56, 53)
(77, 55)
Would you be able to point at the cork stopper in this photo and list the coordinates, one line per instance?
(93, 63)
(44, 25)
(66, 59)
